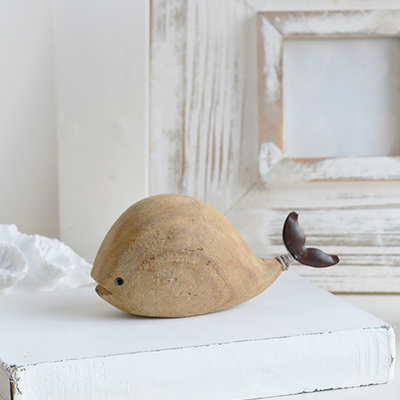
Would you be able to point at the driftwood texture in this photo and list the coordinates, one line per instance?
(175, 256)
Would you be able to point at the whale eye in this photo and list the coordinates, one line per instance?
(119, 281)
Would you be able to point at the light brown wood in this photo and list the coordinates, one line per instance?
(178, 257)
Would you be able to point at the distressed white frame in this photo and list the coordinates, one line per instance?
(371, 261)
(273, 29)
(216, 127)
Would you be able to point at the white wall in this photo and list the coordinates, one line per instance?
(101, 76)
(73, 115)
(28, 163)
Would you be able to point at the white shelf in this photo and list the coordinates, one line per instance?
(386, 307)
(294, 337)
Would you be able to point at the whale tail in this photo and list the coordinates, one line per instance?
(294, 239)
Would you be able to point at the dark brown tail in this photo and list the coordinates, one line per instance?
(295, 240)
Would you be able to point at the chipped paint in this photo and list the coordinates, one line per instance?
(358, 220)
(336, 23)
(271, 62)
(270, 155)
(203, 100)
(270, 83)
(324, 23)
(333, 169)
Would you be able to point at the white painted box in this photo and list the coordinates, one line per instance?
(293, 338)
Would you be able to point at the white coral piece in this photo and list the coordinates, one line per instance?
(10, 234)
(80, 275)
(51, 263)
(13, 265)
(47, 262)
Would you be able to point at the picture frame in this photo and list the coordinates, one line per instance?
(216, 133)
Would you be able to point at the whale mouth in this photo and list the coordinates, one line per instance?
(102, 291)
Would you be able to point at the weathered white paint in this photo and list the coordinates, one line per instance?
(28, 150)
(314, 5)
(271, 64)
(274, 27)
(270, 48)
(333, 23)
(102, 100)
(203, 98)
(293, 184)
(340, 168)
(270, 155)
(350, 278)
(325, 23)
(357, 220)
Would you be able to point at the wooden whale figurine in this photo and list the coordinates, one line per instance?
(175, 256)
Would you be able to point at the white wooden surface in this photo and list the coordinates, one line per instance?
(285, 340)
(387, 308)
